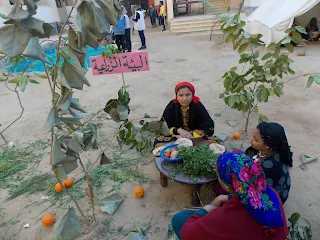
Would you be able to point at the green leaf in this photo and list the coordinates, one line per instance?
(263, 118)
(111, 203)
(94, 20)
(69, 227)
(70, 122)
(291, 71)
(32, 23)
(227, 82)
(23, 83)
(17, 13)
(286, 40)
(310, 81)
(73, 55)
(294, 218)
(264, 94)
(3, 16)
(13, 40)
(237, 44)
(256, 54)
(271, 91)
(316, 79)
(76, 105)
(70, 166)
(153, 126)
(230, 38)
(3, 79)
(15, 80)
(44, 76)
(301, 29)
(53, 119)
(108, 10)
(266, 56)
(47, 29)
(61, 173)
(290, 47)
(290, 30)
(57, 153)
(31, 6)
(296, 37)
(231, 101)
(278, 91)
(34, 50)
(243, 47)
(33, 81)
(246, 35)
(71, 77)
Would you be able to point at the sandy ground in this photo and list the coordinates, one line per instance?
(172, 58)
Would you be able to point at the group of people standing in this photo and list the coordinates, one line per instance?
(159, 13)
(122, 30)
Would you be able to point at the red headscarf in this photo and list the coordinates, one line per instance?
(195, 99)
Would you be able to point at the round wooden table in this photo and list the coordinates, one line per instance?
(166, 172)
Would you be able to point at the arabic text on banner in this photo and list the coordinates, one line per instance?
(120, 63)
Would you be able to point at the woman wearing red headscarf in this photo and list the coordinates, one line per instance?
(186, 116)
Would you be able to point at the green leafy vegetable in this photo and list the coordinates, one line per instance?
(198, 161)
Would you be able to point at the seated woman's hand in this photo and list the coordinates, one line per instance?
(185, 134)
(220, 200)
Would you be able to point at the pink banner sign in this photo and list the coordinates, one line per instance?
(120, 63)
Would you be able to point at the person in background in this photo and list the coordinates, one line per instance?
(119, 31)
(141, 26)
(270, 148)
(159, 17)
(153, 16)
(163, 15)
(254, 212)
(134, 16)
(127, 29)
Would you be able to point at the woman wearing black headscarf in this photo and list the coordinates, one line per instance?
(269, 147)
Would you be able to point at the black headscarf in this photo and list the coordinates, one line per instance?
(275, 138)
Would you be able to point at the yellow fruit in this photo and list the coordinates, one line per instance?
(48, 220)
(58, 187)
(139, 192)
(236, 135)
(68, 182)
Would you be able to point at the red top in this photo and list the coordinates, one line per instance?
(230, 222)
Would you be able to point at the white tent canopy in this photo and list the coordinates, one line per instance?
(273, 17)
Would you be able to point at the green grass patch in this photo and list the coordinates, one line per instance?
(119, 170)
(14, 160)
(44, 183)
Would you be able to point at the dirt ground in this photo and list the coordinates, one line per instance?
(172, 58)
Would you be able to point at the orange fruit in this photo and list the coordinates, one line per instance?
(139, 192)
(236, 135)
(48, 220)
(58, 187)
(68, 182)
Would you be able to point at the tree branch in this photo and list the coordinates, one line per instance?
(303, 75)
(21, 113)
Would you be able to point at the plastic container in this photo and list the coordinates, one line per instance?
(173, 160)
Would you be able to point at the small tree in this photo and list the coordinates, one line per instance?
(261, 76)
(20, 38)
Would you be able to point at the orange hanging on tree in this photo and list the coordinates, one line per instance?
(68, 182)
(139, 192)
(236, 135)
(48, 220)
(58, 187)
